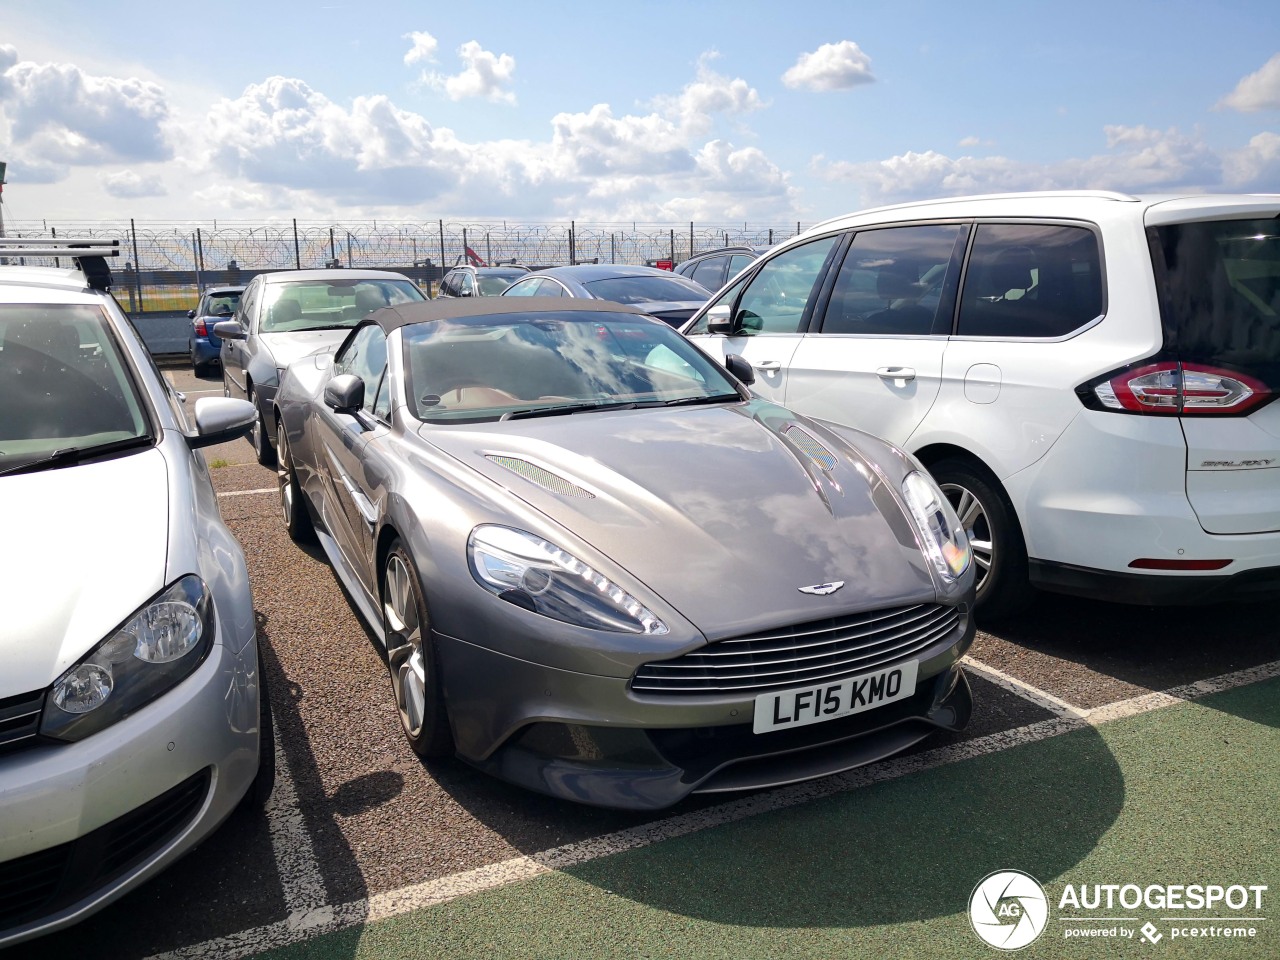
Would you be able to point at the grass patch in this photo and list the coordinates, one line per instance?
(217, 463)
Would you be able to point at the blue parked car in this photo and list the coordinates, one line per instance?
(216, 303)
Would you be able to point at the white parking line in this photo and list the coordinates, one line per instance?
(408, 899)
(1025, 690)
(247, 493)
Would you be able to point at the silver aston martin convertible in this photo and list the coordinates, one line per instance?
(602, 569)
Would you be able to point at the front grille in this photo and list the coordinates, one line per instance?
(808, 653)
(47, 881)
(20, 719)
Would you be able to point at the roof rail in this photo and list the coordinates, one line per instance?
(1045, 194)
(89, 255)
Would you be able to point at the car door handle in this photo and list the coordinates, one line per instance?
(769, 366)
(896, 373)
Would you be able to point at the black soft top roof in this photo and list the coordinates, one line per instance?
(427, 311)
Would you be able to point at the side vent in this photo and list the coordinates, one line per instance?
(542, 477)
(821, 457)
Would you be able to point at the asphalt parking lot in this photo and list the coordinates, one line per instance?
(360, 829)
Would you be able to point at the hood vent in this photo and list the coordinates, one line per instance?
(820, 456)
(542, 477)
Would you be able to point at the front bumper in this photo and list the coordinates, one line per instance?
(593, 740)
(86, 822)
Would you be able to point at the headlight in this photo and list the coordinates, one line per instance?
(150, 653)
(941, 534)
(539, 576)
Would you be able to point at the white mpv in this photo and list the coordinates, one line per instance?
(1088, 375)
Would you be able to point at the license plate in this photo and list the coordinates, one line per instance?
(801, 706)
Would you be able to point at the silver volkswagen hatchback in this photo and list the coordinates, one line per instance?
(132, 713)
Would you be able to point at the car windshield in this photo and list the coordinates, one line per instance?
(320, 304)
(492, 284)
(647, 289)
(220, 304)
(485, 367)
(63, 383)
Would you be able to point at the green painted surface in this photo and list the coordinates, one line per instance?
(1188, 794)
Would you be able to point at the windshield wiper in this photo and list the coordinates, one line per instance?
(708, 398)
(326, 326)
(78, 454)
(566, 408)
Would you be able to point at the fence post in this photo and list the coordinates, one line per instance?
(348, 249)
(488, 249)
(53, 232)
(466, 255)
(195, 255)
(573, 244)
(297, 252)
(691, 238)
(613, 248)
(333, 253)
(137, 271)
(771, 236)
(673, 246)
(442, 266)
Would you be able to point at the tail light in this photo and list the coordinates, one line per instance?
(1176, 389)
(201, 330)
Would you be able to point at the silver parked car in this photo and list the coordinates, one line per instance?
(659, 293)
(133, 717)
(602, 569)
(286, 315)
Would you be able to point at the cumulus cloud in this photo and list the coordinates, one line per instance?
(833, 66)
(128, 185)
(1256, 167)
(423, 49)
(61, 116)
(1260, 90)
(694, 109)
(1140, 159)
(484, 74)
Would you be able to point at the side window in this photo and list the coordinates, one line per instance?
(700, 325)
(248, 303)
(523, 288)
(775, 299)
(447, 288)
(1030, 280)
(895, 282)
(737, 263)
(466, 285)
(382, 401)
(365, 356)
(710, 272)
(549, 288)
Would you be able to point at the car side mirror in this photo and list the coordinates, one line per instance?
(191, 314)
(220, 419)
(344, 393)
(229, 330)
(718, 320)
(740, 369)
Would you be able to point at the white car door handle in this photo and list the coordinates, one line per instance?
(896, 373)
(769, 366)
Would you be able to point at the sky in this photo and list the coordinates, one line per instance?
(655, 112)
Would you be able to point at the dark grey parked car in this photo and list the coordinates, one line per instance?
(659, 293)
(714, 268)
(469, 281)
(604, 570)
(286, 315)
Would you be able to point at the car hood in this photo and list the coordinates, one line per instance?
(725, 512)
(86, 546)
(288, 346)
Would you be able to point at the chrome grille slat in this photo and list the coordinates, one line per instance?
(813, 653)
(20, 718)
(700, 657)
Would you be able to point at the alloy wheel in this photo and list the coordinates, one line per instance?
(404, 645)
(973, 518)
(284, 477)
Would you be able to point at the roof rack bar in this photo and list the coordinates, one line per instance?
(18, 247)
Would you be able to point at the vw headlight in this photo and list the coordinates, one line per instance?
(150, 653)
(941, 534)
(532, 573)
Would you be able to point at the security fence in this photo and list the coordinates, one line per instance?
(163, 265)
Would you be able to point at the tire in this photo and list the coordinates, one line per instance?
(293, 508)
(264, 781)
(200, 369)
(262, 448)
(999, 551)
(411, 658)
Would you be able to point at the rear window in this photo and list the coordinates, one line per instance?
(1220, 293)
(1031, 280)
(649, 289)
